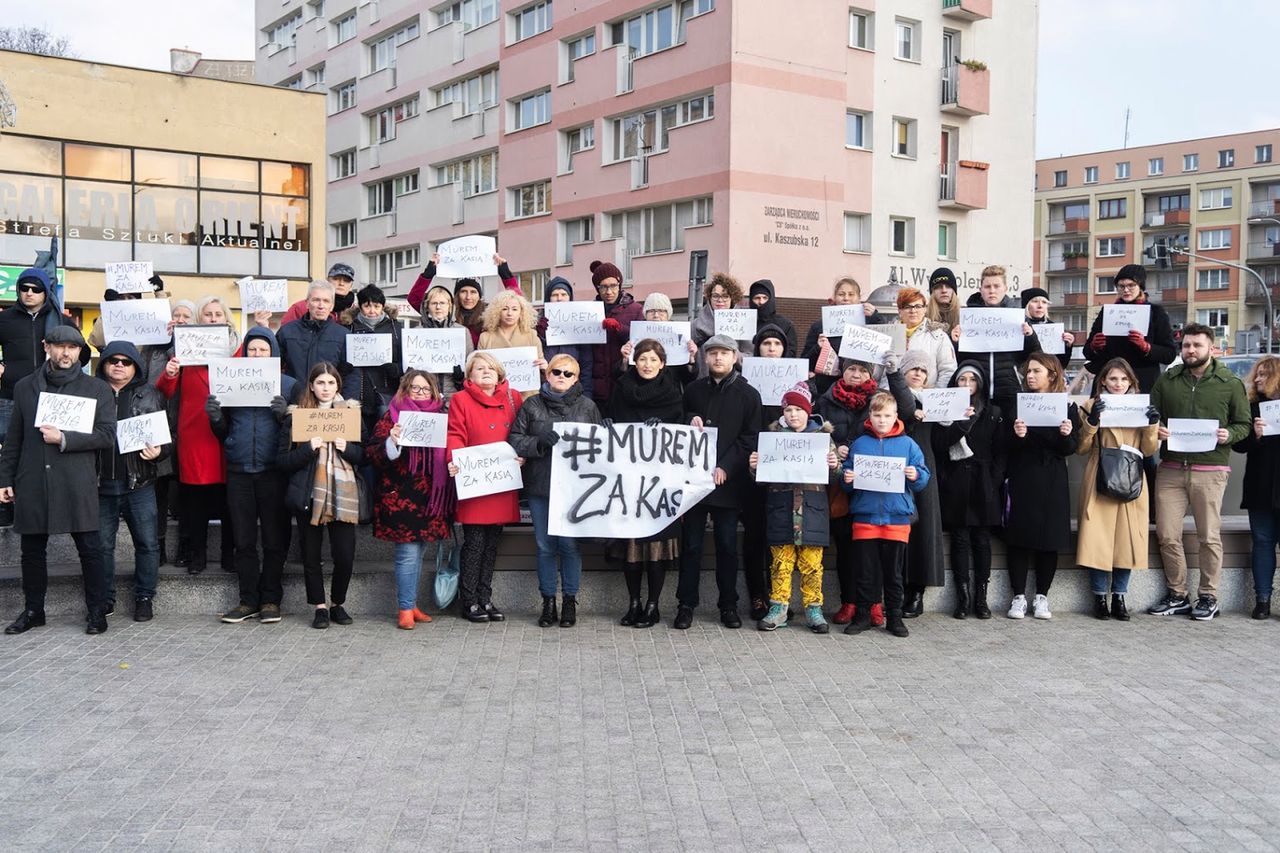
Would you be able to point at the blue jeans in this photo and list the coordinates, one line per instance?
(139, 507)
(569, 571)
(1116, 580)
(1263, 524)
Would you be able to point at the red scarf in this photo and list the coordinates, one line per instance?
(854, 397)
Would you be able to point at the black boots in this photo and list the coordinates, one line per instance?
(914, 605)
(962, 597)
(548, 617)
(163, 558)
(650, 616)
(1100, 609)
(861, 620)
(980, 608)
(568, 611)
(1262, 609)
(1118, 610)
(894, 623)
(633, 614)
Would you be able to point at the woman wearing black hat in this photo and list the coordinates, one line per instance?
(1147, 353)
(1035, 302)
(372, 385)
(944, 302)
(468, 295)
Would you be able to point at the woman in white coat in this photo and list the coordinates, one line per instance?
(926, 336)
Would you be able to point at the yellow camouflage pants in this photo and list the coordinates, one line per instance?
(788, 558)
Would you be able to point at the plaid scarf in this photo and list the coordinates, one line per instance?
(335, 495)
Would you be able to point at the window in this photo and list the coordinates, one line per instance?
(534, 283)
(1110, 247)
(478, 175)
(315, 76)
(1122, 171)
(1105, 284)
(902, 236)
(471, 13)
(1215, 199)
(575, 232)
(947, 240)
(1215, 279)
(857, 129)
(907, 41)
(575, 49)
(1217, 238)
(344, 164)
(1113, 208)
(647, 132)
(291, 83)
(1155, 166)
(1217, 318)
(1190, 162)
(384, 265)
(475, 93)
(861, 29)
(382, 124)
(530, 200)
(344, 28)
(1176, 201)
(532, 20)
(657, 29)
(382, 195)
(342, 97)
(1073, 284)
(904, 137)
(531, 110)
(857, 232)
(660, 229)
(1090, 174)
(1060, 178)
(1226, 158)
(1262, 153)
(285, 32)
(315, 9)
(344, 234)
(382, 53)
(576, 140)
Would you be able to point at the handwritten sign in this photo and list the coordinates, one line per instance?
(863, 343)
(737, 323)
(330, 424)
(897, 336)
(518, 362)
(1192, 435)
(150, 430)
(793, 457)
(263, 294)
(369, 350)
(836, 317)
(879, 473)
(129, 276)
(138, 321)
(244, 381)
(423, 429)
(773, 377)
(673, 336)
(486, 469)
(66, 412)
(1118, 320)
(198, 344)
(1269, 411)
(575, 323)
(1042, 410)
(432, 350)
(991, 329)
(467, 257)
(944, 405)
(1050, 335)
(628, 481)
(1124, 410)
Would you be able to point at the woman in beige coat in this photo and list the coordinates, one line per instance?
(1113, 538)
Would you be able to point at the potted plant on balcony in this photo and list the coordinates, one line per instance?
(1075, 260)
(974, 64)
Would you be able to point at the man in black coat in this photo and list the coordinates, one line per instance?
(721, 399)
(1002, 367)
(307, 342)
(764, 300)
(51, 477)
(1147, 354)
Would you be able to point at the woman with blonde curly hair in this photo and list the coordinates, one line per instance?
(510, 321)
(1260, 494)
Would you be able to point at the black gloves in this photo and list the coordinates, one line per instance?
(278, 407)
(547, 437)
(1153, 416)
(430, 271)
(156, 282)
(458, 378)
(213, 409)
(1095, 413)
(652, 422)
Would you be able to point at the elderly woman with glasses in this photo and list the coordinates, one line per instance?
(533, 435)
(926, 336)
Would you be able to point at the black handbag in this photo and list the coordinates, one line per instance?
(1120, 475)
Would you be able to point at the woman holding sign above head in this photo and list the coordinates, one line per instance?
(324, 494)
(468, 295)
(438, 314)
(1113, 538)
(371, 384)
(1261, 491)
(509, 322)
(1147, 351)
(560, 290)
(926, 337)
(822, 349)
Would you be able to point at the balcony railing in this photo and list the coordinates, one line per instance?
(1265, 209)
(1166, 218)
(1075, 263)
(1266, 250)
(967, 10)
(963, 185)
(1073, 225)
(965, 90)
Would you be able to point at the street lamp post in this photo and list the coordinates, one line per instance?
(1266, 292)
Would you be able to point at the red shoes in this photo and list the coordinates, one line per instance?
(844, 615)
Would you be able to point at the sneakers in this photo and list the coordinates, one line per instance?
(142, 610)
(774, 618)
(1171, 605)
(239, 613)
(111, 608)
(844, 615)
(321, 619)
(1206, 608)
(815, 620)
(877, 616)
(1018, 608)
(1040, 607)
(270, 613)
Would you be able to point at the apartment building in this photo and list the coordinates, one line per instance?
(1218, 198)
(673, 138)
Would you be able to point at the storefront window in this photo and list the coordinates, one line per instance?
(24, 154)
(165, 233)
(228, 233)
(286, 233)
(99, 224)
(284, 178)
(224, 173)
(164, 168)
(98, 161)
(30, 213)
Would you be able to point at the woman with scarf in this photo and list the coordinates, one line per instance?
(323, 494)
(467, 292)
(924, 566)
(720, 293)
(415, 499)
(846, 292)
(372, 386)
(438, 314)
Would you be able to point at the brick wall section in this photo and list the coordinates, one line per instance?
(802, 312)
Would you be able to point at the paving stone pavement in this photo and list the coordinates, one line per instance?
(185, 734)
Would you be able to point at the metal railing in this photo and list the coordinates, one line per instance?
(1264, 249)
(1261, 209)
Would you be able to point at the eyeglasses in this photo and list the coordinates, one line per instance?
(31, 288)
(610, 287)
(567, 374)
(1129, 284)
(119, 362)
(419, 389)
(719, 297)
(916, 307)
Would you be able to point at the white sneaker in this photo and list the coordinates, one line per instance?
(1040, 607)
(1018, 609)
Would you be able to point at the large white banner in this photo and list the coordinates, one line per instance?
(628, 481)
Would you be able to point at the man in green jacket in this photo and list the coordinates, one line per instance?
(1203, 388)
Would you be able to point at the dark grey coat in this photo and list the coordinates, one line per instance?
(536, 417)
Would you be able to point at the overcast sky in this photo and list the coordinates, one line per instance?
(1186, 68)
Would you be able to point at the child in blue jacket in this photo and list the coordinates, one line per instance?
(882, 520)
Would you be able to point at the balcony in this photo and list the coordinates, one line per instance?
(1267, 209)
(1166, 218)
(1064, 227)
(1265, 251)
(1065, 264)
(967, 10)
(1172, 295)
(1253, 293)
(966, 89)
(963, 185)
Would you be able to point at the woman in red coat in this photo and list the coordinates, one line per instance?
(202, 464)
(482, 413)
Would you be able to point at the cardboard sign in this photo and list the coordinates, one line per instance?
(432, 350)
(793, 457)
(518, 362)
(836, 317)
(1269, 411)
(737, 323)
(1050, 335)
(423, 429)
(66, 412)
(138, 321)
(944, 405)
(673, 336)
(1124, 410)
(575, 323)
(879, 473)
(330, 424)
(129, 276)
(1192, 435)
(773, 377)
(1119, 320)
(863, 343)
(151, 430)
(369, 350)
(198, 344)
(467, 257)
(263, 294)
(991, 329)
(486, 469)
(1042, 410)
(244, 381)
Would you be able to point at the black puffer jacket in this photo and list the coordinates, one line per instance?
(1146, 365)
(537, 419)
(136, 398)
(846, 424)
(22, 342)
(1261, 488)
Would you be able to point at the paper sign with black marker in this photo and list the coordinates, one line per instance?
(142, 322)
(991, 329)
(198, 344)
(150, 430)
(1269, 411)
(129, 276)
(1124, 410)
(244, 381)
(1042, 410)
(793, 457)
(486, 469)
(944, 405)
(433, 350)
(467, 257)
(1050, 335)
(423, 429)
(575, 323)
(737, 323)
(1119, 320)
(263, 294)
(773, 377)
(1192, 435)
(862, 343)
(836, 317)
(879, 473)
(368, 350)
(66, 412)
(673, 336)
(518, 363)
